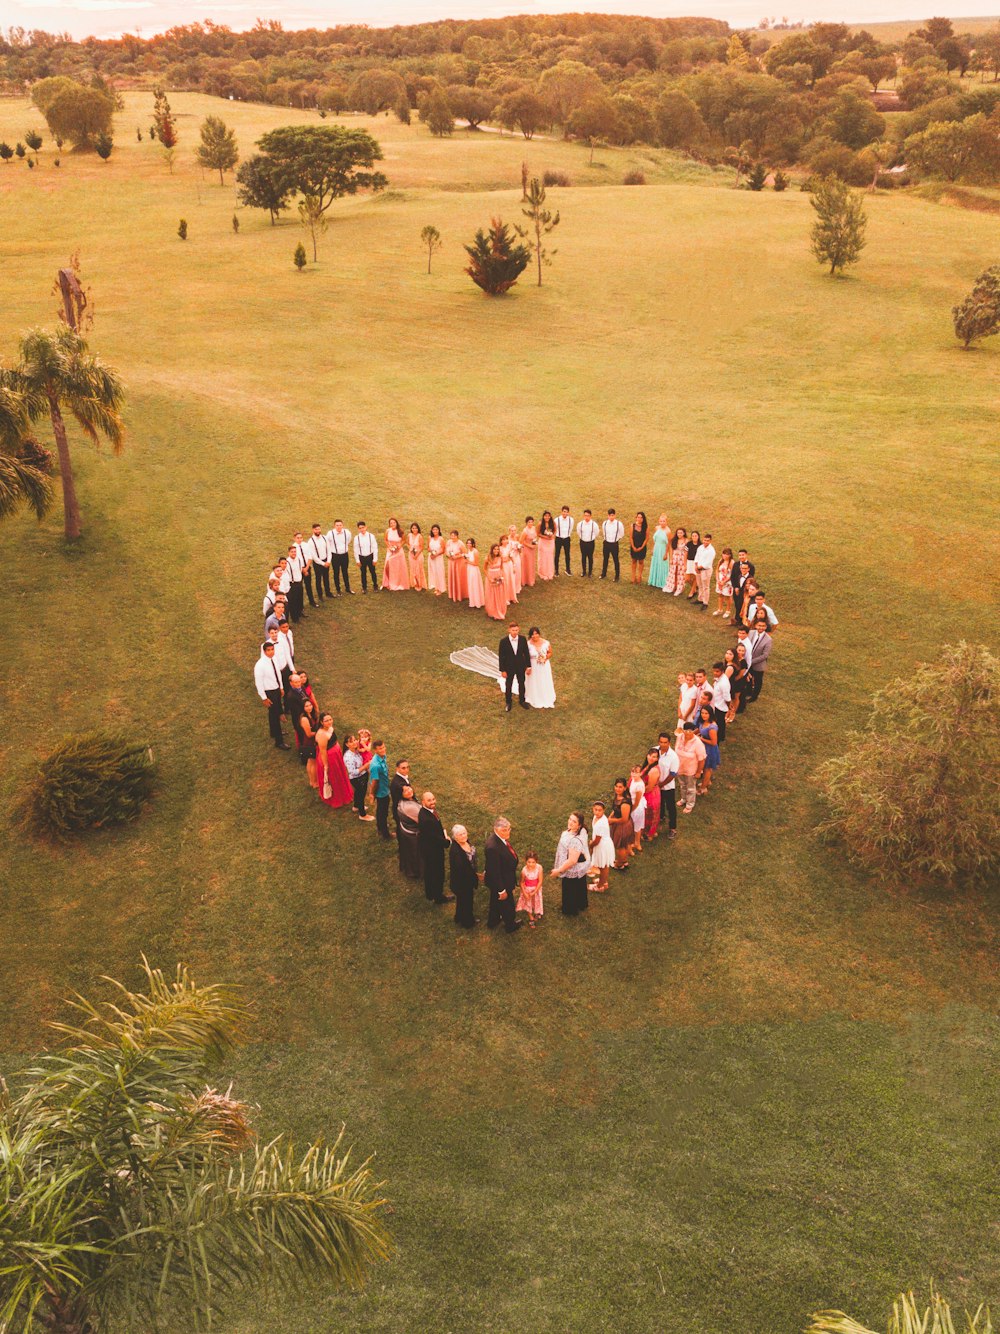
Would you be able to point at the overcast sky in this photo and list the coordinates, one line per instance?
(107, 18)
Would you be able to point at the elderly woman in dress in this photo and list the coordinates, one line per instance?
(465, 875)
(571, 865)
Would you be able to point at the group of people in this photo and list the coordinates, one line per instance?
(320, 564)
(670, 778)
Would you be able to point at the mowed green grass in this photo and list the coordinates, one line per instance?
(750, 1083)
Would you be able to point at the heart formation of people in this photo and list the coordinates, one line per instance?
(669, 777)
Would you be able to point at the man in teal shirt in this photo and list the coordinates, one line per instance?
(379, 774)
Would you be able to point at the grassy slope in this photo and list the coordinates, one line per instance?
(749, 1083)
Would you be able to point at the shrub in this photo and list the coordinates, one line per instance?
(57, 163)
(6, 152)
(182, 229)
(556, 178)
(780, 181)
(757, 176)
(916, 793)
(633, 177)
(978, 316)
(496, 259)
(299, 257)
(31, 163)
(103, 145)
(89, 781)
(236, 223)
(19, 149)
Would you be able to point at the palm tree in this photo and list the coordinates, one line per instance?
(134, 1197)
(57, 371)
(907, 1318)
(24, 472)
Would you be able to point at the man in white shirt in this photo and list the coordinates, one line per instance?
(319, 553)
(284, 654)
(667, 765)
(302, 548)
(564, 531)
(587, 530)
(283, 576)
(704, 560)
(762, 609)
(366, 554)
(267, 680)
(722, 697)
(339, 539)
(614, 531)
(689, 694)
(270, 597)
(296, 592)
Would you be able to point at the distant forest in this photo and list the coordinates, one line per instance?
(816, 97)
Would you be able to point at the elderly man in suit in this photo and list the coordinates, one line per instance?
(501, 876)
(515, 663)
(432, 841)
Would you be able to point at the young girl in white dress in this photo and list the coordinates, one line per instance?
(602, 850)
(539, 690)
(637, 796)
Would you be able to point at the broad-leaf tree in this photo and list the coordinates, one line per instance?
(978, 315)
(263, 183)
(218, 149)
(135, 1197)
(596, 121)
(313, 219)
(57, 374)
(324, 161)
(431, 238)
(79, 114)
(838, 234)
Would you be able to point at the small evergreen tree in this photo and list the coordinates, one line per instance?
(541, 221)
(496, 259)
(438, 115)
(780, 181)
(31, 164)
(757, 178)
(91, 780)
(838, 234)
(164, 125)
(978, 316)
(182, 229)
(103, 145)
(299, 257)
(218, 149)
(236, 224)
(6, 152)
(33, 139)
(917, 793)
(431, 238)
(138, 135)
(19, 149)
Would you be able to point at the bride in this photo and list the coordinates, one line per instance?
(539, 691)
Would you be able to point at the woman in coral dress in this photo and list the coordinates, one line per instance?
(474, 575)
(547, 547)
(659, 565)
(507, 561)
(331, 771)
(678, 549)
(454, 550)
(515, 547)
(416, 545)
(394, 573)
(651, 773)
(529, 544)
(496, 599)
(436, 577)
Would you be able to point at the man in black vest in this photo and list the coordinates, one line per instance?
(501, 876)
(515, 663)
(432, 841)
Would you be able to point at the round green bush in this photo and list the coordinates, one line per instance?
(90, 781)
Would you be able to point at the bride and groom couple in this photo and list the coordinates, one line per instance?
(527, 662)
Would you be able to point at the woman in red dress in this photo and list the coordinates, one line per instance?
(331, 771)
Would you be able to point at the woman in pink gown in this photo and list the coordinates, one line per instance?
(515, 550)
(547, 547)
(474, 575)
(529, 542)
(436, 577)
(330, 767)
(416, 545)
(507, 564)
(496, 599)
(454, 549)
(394, 575)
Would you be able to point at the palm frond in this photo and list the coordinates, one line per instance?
(23, 484)
(60, 364)
(907, 1318)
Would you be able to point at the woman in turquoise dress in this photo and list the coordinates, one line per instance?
(659, 565)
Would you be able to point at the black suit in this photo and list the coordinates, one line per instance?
(501, 876)
(516, 664)
(396, 785)
(464, 881)
(432, 841)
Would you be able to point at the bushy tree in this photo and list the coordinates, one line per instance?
(45, 91)
(978, 315)
(33, 139)
(376, 90)
(134, 1196)
(324, 161)
(541, 221)
(431, 238)
(218, 149)
(438, 116)
(6, 152)
(496, 259)
(299, 257)
(91, 780)
(473, 105)
(679, 123)
(595, 121)
(79, 114)
(917, 792)
(524, 110)
(263, 183)
(567, 85)
(103, 145)
(401, 110)
(852, 120)
(838, 234)
(956, 149)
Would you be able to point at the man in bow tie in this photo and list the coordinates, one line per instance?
(515, 663)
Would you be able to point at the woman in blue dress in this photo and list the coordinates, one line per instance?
(708, 729)
(659, 565)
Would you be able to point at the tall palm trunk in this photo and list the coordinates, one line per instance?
(71, 506)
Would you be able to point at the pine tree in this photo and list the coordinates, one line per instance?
(103, 145)
(218, 149)
(90, 781)
(300, 258)
(541, 222)
(496, 259)
(757, 178)
(838, 234)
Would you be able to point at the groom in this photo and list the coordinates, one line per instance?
(515, 663)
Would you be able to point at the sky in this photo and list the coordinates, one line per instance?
(109, 18)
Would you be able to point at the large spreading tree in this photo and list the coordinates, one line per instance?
(133, 1196)
(324, 162)
(56, 374)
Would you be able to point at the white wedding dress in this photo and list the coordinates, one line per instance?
(539, 690)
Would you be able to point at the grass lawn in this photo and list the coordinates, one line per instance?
(750, 1083)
